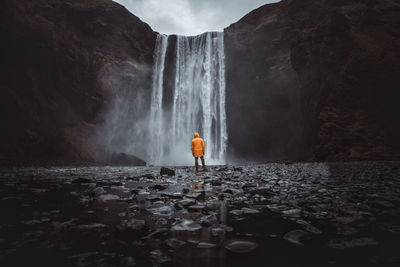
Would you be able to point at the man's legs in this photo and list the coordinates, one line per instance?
(203, 163)
(196, 163)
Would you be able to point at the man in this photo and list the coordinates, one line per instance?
(198, 150)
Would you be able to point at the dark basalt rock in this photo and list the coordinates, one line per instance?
(167, 171)
(55, 55)
(81, 180)
(315, 80)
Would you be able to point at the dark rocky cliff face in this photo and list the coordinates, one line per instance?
(338, 59)
(62, 64)
(263, 91)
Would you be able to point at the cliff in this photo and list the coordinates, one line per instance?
(55, 83)
(339, 60)
(306, 80)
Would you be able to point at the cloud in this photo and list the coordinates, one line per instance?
(191, 17)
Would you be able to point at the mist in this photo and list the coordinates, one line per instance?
(125, 128)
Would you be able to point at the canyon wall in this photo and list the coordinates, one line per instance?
(305, 80)
(331, 65)
(63, 63)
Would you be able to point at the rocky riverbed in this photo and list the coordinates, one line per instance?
(300, 214)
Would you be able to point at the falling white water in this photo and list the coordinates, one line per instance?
(198, 103)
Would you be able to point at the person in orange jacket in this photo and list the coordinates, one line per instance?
(198, 150)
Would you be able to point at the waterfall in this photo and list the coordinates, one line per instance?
(197, 103)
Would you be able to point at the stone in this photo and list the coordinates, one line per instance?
(195, 208)
(167, 171)
(108, 197)
(131, 229)
(250, 211)
(164, 210)
(186, 225)
(239, 246)
(148, 176)
(236, 212)
(352, 243)
(158, 187)
(109, 183)
(206, 245)
(295, 237)
(99, 190)
(175, 243)
(309, 227)
(187, 202)
(128, 261)
(81, 180)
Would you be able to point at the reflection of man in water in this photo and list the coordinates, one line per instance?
(198, 150)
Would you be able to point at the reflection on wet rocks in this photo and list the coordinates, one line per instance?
(306, 214)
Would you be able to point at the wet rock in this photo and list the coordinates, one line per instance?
(167, 171)
(216, 183)
(309, 227)
(186, 226)
(99, 191)
(346, 220)
(276, 207)
(148, 176)
(185, 190)
(131, 229)
(351, 243)
(295, 237)
(161, 211)
(81, 180)
(173, 195)
(382, 203)
(175, 243)
(187, 202)
(109, 183)
(347, 230)
(92, 227)
(38, 190)
(128, 261)
(159, 257)
(31, 222)
(196, 208)
(65, 224)
(108, 197)
(82, 258)
(236, 212)
(292, 212)
(158, 187)
(206, 245)
(208, 220)
(228, 191)
(250, 211)
(239, 246)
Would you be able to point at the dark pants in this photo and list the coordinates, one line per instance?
(196, 162)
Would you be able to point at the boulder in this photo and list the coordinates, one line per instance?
(167, 171)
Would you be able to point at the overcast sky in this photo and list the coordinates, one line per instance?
(191, 17)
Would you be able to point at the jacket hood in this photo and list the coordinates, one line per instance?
(196, 135)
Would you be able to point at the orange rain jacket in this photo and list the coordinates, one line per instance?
(198, 148)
